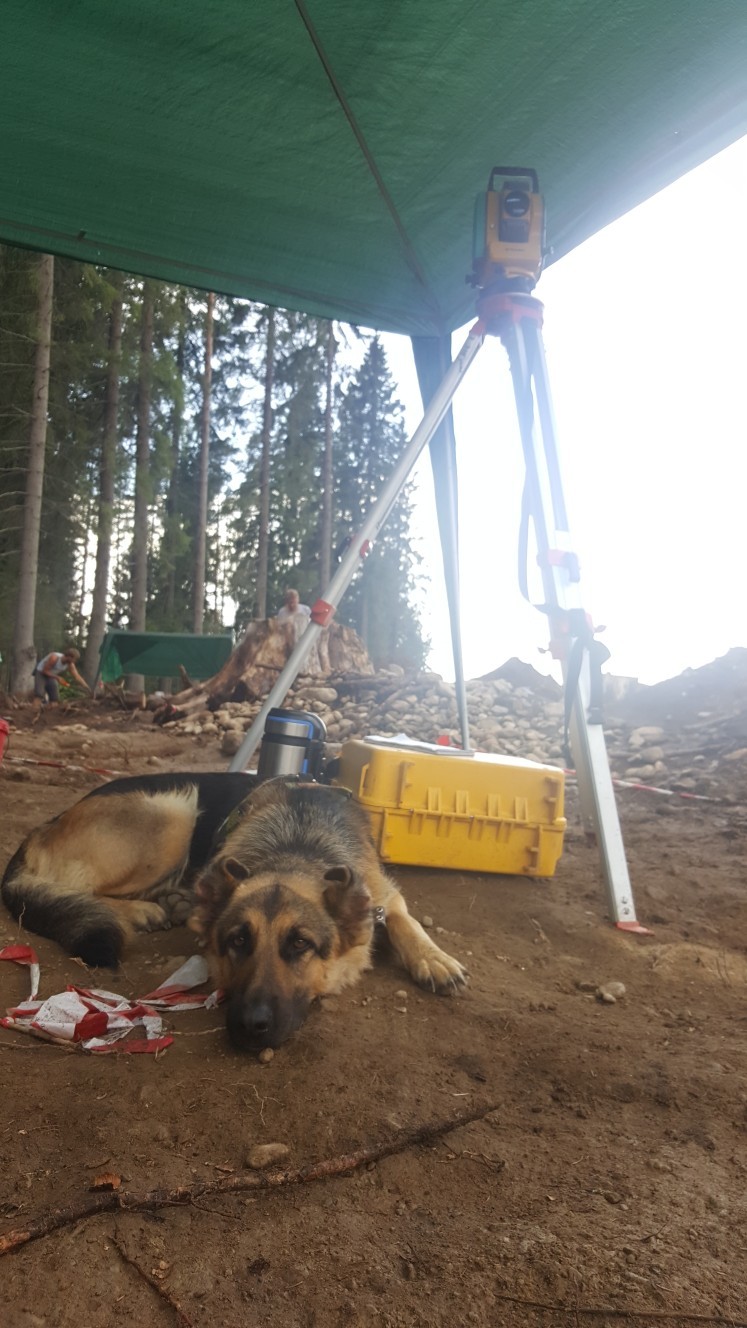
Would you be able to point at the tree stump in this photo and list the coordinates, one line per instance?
(251, 670)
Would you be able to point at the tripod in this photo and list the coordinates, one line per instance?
(516, 318)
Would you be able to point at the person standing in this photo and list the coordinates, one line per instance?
(292, 607)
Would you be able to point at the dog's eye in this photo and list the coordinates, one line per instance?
(240, 940)
(296, 944)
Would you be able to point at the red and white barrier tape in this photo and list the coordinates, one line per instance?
(96, 1020)
(663, 792)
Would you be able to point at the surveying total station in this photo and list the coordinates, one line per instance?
(509, 231)
(508, 254)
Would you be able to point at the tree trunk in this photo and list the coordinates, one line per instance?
(325, 539)
(139, 596)
(97, 625)
(24, 654)
(172, 497)
(202, 498)
(264, 473)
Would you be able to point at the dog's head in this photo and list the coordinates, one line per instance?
(275, 940)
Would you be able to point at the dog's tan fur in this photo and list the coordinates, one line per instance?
(141, 843)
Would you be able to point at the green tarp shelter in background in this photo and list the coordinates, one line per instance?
(324, 154)
(159, 654)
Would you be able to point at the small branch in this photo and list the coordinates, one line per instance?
(163, 1292)
(601, 1311)
(122, 1201)
(186, 681)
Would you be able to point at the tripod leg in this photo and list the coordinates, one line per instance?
(324, 608)
(523, 340)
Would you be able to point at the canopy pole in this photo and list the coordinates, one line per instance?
(432, 358)
(323, 611)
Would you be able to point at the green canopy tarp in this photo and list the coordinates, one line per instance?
(159, 654)
(325, 154)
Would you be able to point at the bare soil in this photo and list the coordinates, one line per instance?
(612, 1174)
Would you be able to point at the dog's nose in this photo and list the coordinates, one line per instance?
(259, 1020)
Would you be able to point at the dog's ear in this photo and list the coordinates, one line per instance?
(213, 891)
(346, 898)
(234, 872)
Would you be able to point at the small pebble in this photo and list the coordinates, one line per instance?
(401, 1009)
(266, 1055)
(427, 922)
(400, 995)
(611, 992)
(263, 1155)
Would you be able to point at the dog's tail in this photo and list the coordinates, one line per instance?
(82, 924)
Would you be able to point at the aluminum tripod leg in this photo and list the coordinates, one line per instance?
(522, 337)
(375, 519)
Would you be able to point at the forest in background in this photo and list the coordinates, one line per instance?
(194, 456)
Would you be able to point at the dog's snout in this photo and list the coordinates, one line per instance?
(259, 1020)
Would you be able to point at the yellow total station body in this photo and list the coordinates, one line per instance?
(509, 233)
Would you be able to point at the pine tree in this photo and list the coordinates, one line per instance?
(198, 608)
(295, 451)
(371, 438)
(24, 652)
(109, 444)
(263, 534)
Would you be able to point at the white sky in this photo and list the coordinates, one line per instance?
(644, 332)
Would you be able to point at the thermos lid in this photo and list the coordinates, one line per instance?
(294, 724)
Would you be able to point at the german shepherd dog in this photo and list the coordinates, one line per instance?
(288, 908)
(287, 889)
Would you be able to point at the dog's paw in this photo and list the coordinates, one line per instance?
(147, 916)
(437, 970)
(177, 904)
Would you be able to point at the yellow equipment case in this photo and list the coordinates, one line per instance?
(433, 806)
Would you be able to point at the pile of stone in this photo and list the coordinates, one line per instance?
(518, 712)
(506, 719)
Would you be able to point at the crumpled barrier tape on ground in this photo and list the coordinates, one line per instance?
(97, 1020)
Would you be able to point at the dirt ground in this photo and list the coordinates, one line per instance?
(611, 1174)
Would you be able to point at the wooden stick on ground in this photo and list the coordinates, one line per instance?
(122, 1201)
(600, 1311)
(163, 1292)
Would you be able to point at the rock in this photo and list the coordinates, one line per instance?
(326, 695)
(427, 921)
(610, 992)
(263, 1155)
(645, 735)
(266, 1055)
(230, 742)
(400, 995)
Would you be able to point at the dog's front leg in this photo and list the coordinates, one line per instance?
(424, 960)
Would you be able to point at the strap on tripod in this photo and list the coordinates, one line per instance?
(526, 512)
